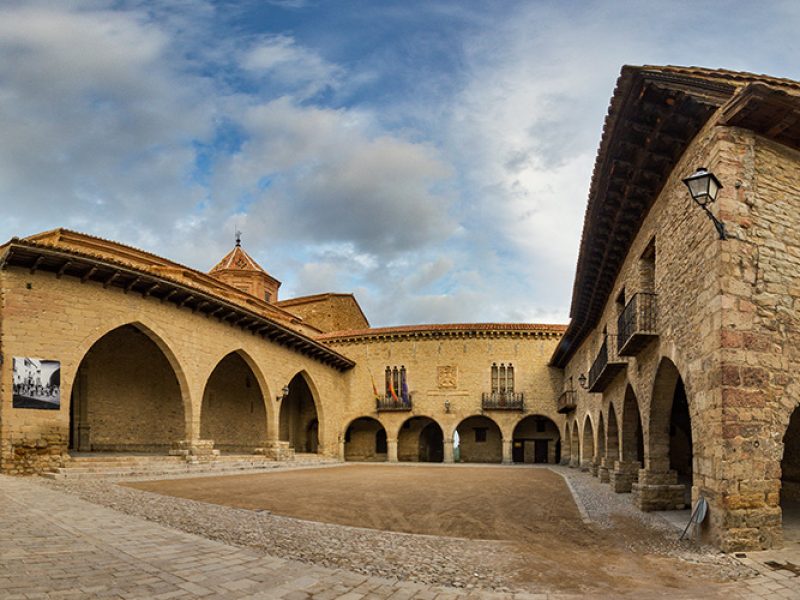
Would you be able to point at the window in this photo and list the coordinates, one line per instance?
(396, 385)
(267, 296)
(480, 434)
(647, 268)
(502, 378)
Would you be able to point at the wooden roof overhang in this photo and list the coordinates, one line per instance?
(653, 117)
(28, 255)
(769, 112)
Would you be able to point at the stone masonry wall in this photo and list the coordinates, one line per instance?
(45, 316)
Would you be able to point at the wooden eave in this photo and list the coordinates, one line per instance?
(28, 255)
(652, 119)
(769, 112)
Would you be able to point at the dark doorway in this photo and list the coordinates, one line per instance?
(540, 451)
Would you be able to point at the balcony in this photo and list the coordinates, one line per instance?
(389, 404)
(637, 324)
(607, 364)
(502, 401)
(567, 402)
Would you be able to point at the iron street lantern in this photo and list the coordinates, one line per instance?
(704, 187)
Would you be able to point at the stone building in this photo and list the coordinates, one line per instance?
(680, 356)
(155, 357)
(673, 381)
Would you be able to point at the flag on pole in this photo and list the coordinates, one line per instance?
(391, 390)
(374, 387)
(404, 391)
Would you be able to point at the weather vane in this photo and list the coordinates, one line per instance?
(238, 238)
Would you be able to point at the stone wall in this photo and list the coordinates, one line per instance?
(44, 316)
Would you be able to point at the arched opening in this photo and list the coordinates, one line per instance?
(420, 440)
(233, 413)
(126, 396)
(299, 424)
(536, 439)
(790, 480)
(587, 444)
(612, 437)
(632, 438)
(601, 443)
(365, 440)
(669, 444)
(575, 447)
(480, 440)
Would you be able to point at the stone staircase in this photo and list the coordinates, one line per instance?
(118, 465)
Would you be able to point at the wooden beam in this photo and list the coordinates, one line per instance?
(216, 311)
(129, 287)
(39, 260)
(169, 295)
(63, 268)
(183, 302)
(85, 277)
(110, 280)
(150, 290)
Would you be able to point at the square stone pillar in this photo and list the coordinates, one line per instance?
(194, 449)
(276, 450)
(508, 456)
(448, 451)
(603, 470)
(658, 491)
(391, 451)
(623, 475)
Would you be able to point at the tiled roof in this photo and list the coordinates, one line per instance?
(449, 328)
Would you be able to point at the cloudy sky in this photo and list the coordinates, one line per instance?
(431, 156)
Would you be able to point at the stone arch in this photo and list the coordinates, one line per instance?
(587, 443)
(420, 439)
(669, 454)
(365, 440)
(631, 434)
(601, 442)
(536, 439)
(790, 479)
(129, 393)
(235, 406)
(575, 446)
(480, 440)
(299, 411)
(612, 437)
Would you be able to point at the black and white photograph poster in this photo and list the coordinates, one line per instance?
(37, 383)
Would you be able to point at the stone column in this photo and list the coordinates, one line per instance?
(508, 457)
(623, 475)
(448, 451)
(658, 491)
(391, 450)
(603, 470)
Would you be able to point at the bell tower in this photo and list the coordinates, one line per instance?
(239, 270)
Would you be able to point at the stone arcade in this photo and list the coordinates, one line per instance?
(674, 379)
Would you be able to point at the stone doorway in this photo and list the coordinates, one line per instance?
(365, 440)
(479, 441)
(536, 439)
(299, 424)
(126, 396)
(790, 482)
(233, 413)
(420, 440)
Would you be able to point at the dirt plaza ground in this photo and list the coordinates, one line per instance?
(551, 545)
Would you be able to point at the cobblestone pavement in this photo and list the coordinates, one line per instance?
(55, 545)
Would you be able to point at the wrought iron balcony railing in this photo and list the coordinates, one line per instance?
(637, 324)
(567, 402)
(389, 403)
(502, 401)
(606, 365)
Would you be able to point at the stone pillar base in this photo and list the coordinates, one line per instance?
(194, 449)
(603, 474)
(658, 491)
(623, 476)
(586, 466)
(276, 450)
(593, 469)
(574, 463)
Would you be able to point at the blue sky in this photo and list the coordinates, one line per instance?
(432, 157)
